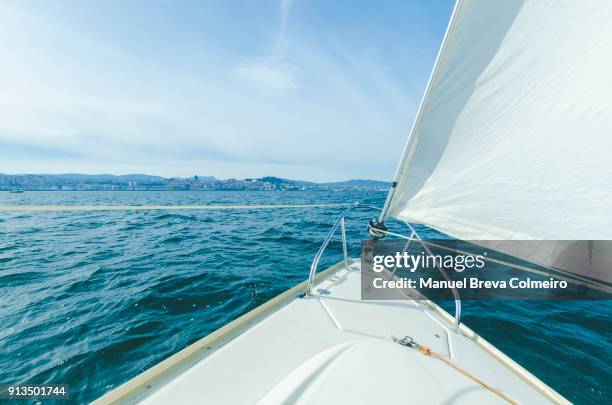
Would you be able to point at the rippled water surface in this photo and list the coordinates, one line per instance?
(91, 299)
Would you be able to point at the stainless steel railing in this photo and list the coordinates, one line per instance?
(340, 222)
(455, 292)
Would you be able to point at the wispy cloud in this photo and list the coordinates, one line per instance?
(268, 76)
(282, 39)
(272, 73)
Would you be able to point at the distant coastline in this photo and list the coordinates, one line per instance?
(143, 182)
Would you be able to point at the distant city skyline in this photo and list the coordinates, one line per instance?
(315, 90)
(200, 175)
(143, 182)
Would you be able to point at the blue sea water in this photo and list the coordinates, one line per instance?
(91, 299)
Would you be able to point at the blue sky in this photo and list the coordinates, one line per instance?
(303, 89)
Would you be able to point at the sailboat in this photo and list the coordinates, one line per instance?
(511, 141)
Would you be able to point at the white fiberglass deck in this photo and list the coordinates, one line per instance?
(333, 348)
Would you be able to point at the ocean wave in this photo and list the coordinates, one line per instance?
(93, 299)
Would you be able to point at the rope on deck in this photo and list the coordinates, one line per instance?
(409, 342)
(428, 352)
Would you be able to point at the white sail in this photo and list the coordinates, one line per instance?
(513, 139)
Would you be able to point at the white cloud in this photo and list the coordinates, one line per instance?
(282, 40)
(272, 73)
(275, 77)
